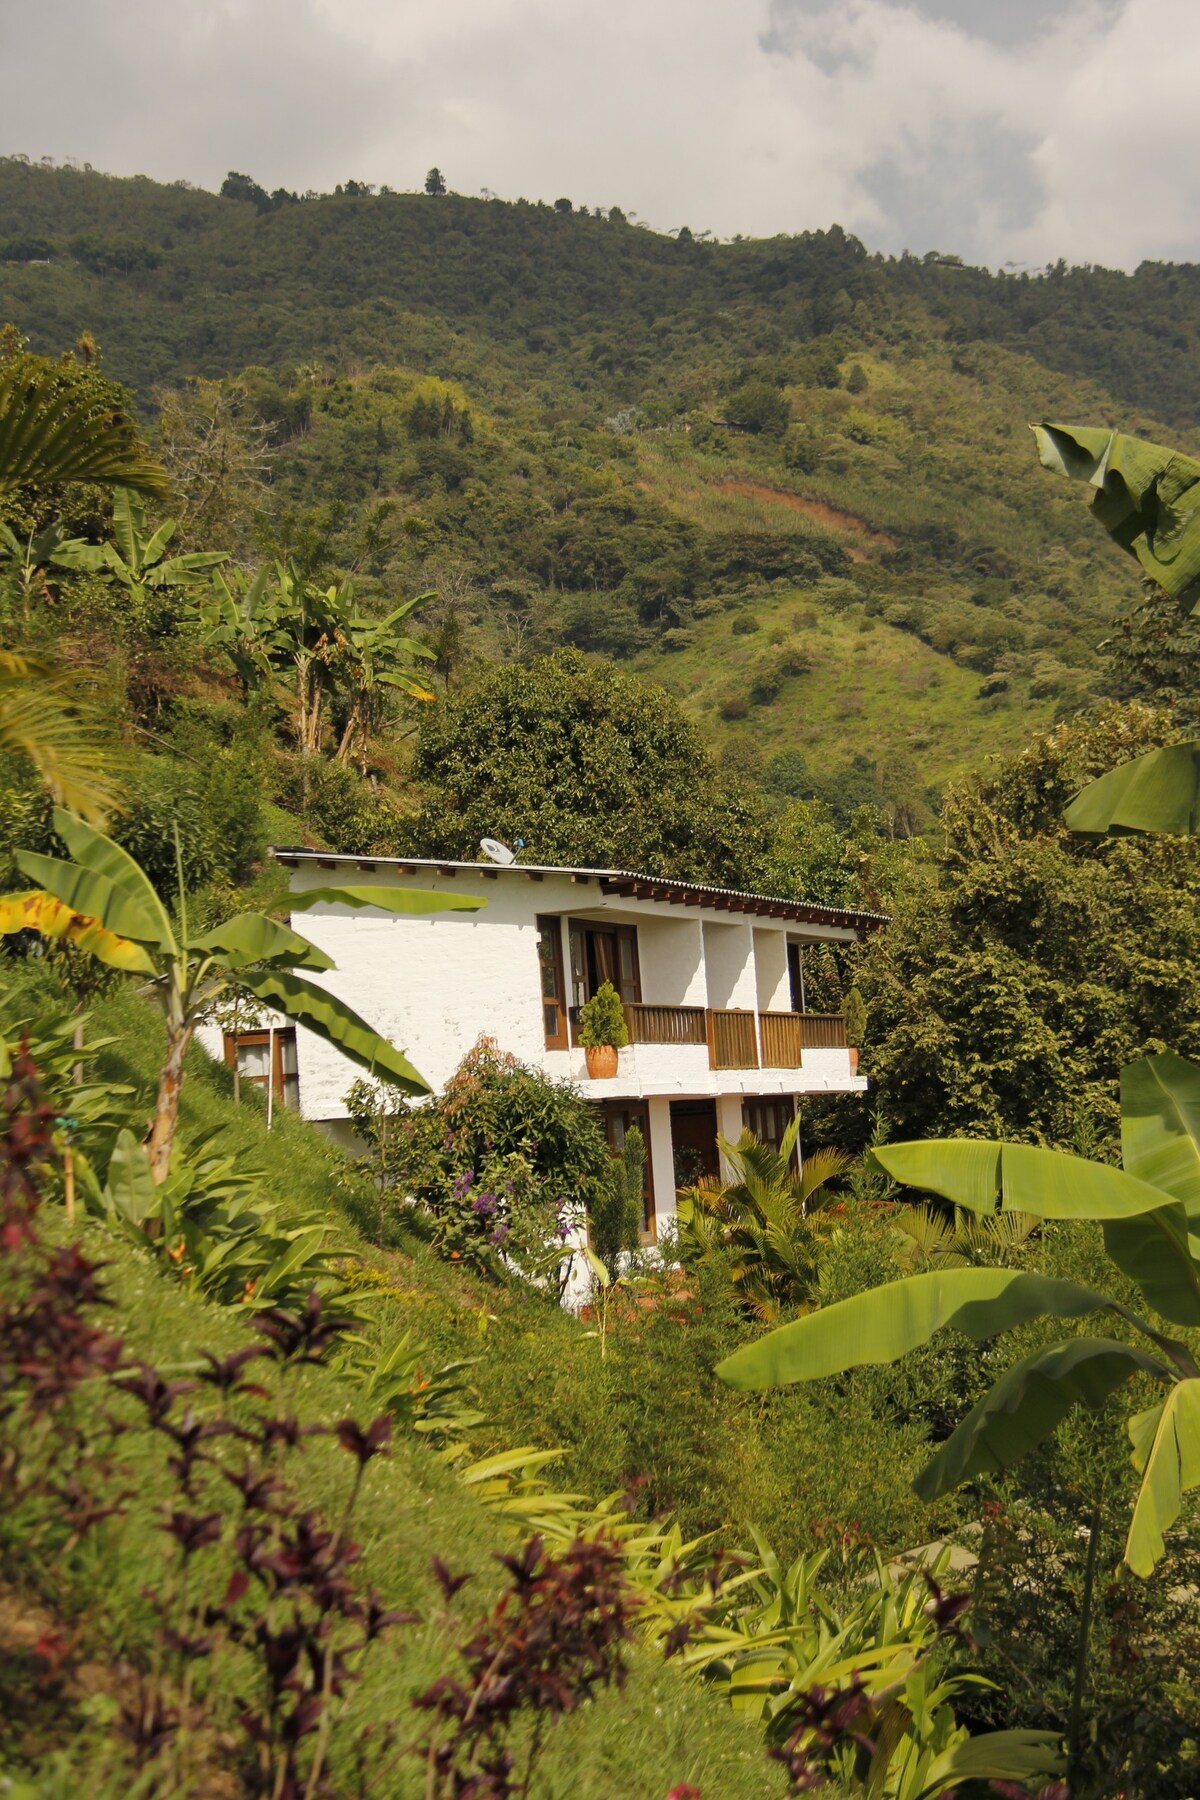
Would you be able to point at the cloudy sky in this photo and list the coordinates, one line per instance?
(1010, 131)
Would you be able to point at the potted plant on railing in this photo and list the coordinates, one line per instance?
(855, 1014)
(602, 1031)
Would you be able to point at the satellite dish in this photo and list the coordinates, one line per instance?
(497, 852)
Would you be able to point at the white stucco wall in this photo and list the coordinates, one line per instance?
(771, 971)
(671, 957)
(729, 964)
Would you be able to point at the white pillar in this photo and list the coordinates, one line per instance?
(662, 1160)
(729, 1125)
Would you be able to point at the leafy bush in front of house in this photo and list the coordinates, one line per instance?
(503, 1165)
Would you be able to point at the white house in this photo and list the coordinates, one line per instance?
(712, 982)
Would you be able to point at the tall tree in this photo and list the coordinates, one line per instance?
(586, 764)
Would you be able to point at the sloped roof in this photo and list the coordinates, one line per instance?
(624, 882)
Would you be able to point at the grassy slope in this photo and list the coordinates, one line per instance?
(660, 1730)
(871, 690)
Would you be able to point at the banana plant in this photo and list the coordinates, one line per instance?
(374, 662)
(103, 902)
(138, 559)
(1150, 1213)
(243, 617)
(1147, 497)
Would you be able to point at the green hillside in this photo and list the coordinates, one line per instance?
(646, 435)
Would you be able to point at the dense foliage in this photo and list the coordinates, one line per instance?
(504, 1164)
(1028, 966)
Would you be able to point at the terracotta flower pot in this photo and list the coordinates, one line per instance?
(601, 1061)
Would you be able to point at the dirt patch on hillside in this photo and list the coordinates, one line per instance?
(832, 517)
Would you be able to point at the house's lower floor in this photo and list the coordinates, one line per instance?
(681, 1137)
(680, 1130)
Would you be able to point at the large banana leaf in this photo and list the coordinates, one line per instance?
(55, 429)
(91, 895)
(331, 1019)
(1166, 1453)
(1147, 497)
(1156, 792)
(1145, 1229)
(386, 899)
(1163, 1257)
(1160, 1126)
(250, 938)
(42, 913)
(885, 1323)
(183, 571)
(95, 851)
(977, 1174)
(1028, 1403)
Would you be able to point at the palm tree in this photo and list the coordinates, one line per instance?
(57, 424)
(43, 720)
(766, 1217)
(928, 1238)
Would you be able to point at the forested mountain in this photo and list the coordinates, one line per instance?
(788, 478)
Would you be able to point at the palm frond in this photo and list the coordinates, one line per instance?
(55, 430)
(42, 720)
(821, 1167)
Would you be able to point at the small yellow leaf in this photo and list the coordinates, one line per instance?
(41, 912)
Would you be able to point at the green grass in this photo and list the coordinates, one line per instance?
(872, 690)
(660, 1730)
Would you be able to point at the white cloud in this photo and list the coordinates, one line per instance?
(917, 125)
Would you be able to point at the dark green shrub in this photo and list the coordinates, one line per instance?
(744, 625)
(341, 809)
(616, 1217)
(504, 1163)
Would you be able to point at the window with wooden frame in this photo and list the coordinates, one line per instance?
(619, 1116)
(266, 1060)
(601, 953)
(554, 988)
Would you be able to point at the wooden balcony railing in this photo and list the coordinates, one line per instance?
(822, 1031)
(666, 1024)
(732, 1039)
(782, 1040)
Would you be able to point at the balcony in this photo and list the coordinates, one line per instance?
(785, 1037)
(666, 1024)
(737, 1038)
(732, 1038)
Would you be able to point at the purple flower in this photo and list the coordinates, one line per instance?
(484, 1203)
(501, 1232)
(564, 1231)
(462, 1183)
